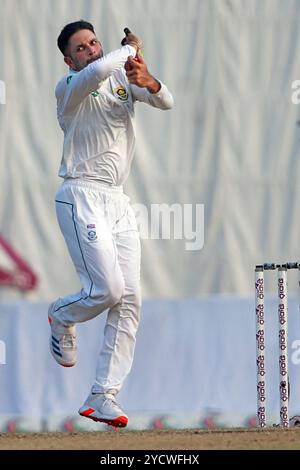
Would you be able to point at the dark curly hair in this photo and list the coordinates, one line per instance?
(69, 30)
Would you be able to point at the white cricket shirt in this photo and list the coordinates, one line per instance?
(95, 109)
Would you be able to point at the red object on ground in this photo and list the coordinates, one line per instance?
(22, 277)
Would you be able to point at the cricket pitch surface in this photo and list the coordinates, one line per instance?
(200, 439)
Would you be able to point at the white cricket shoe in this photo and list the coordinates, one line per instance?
(104, 408)
(63, 345)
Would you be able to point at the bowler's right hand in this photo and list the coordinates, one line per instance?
(132, 40)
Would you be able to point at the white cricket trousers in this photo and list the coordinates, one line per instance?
(100, 230)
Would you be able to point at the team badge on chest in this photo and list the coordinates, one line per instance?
(121, 93)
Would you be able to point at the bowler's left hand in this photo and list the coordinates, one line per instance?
(138, 74)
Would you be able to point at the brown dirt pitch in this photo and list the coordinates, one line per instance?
(234, 439)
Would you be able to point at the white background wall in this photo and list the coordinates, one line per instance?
(231, 142)
(191, 357)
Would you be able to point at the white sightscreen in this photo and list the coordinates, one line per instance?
(231, 142)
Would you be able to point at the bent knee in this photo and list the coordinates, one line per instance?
(114, 293)
(109, 293)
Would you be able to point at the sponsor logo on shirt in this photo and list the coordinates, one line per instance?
(121, 93)
(94, 93)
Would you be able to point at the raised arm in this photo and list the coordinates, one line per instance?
(145, 87)
(74, 88)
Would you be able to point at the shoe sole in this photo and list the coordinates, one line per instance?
(63, 365)
(119, 422)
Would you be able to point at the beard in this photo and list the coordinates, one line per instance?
(79, 66)
(98, 56)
